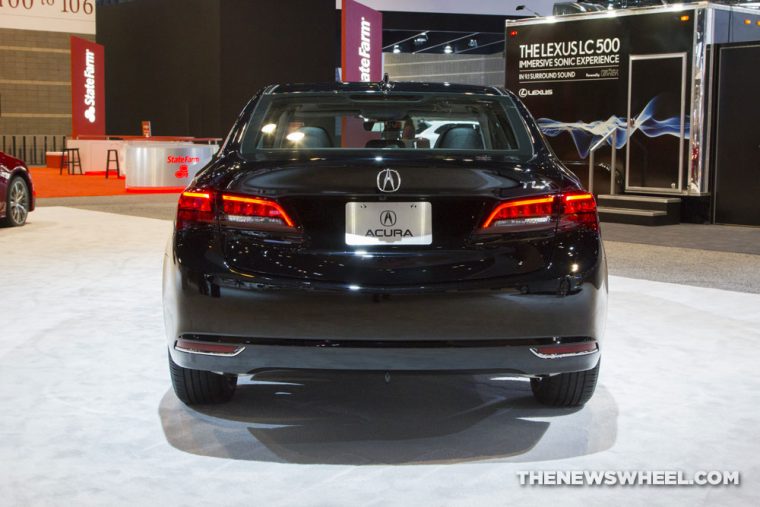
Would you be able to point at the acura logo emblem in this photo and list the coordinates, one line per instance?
(388, 180)
(387, 218)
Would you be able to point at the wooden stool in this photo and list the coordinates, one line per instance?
(63, 161)
(71, 156)
(114, 159)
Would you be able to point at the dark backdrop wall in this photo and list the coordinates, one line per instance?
(162, 64)
(189, 66)
(274, 41)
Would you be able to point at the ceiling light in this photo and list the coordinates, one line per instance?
(472, 43)
(295, 137)
(448, 49)
(396, 48)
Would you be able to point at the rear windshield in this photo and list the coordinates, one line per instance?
(370, 122)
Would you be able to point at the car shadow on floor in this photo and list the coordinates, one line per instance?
(360, 419)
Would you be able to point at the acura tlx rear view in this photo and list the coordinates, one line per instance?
(385, 227)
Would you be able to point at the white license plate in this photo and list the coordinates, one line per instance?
(384, 223)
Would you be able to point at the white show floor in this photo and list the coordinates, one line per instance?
(87, 415)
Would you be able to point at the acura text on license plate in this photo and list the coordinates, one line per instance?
(382, 223)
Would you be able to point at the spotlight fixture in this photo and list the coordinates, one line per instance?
(472, 43)
(421, 39)
(522, 7)
(396, 48)
(448, 49)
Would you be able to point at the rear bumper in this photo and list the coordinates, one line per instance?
(252, 357)
(474, 330)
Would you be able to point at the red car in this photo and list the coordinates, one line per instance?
(16, 191)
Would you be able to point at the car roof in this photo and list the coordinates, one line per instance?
(389, 87)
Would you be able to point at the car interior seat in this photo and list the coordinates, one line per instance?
(460, 137)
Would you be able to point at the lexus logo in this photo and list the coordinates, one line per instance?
(388, 180)
(532, 93)
(387, 218)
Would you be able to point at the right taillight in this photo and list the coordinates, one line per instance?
(572, 208)
(522, 212)
(194, 208)
(579, 208)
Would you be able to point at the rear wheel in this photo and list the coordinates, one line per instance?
(566, 389)
(17, 203)
(197, 387)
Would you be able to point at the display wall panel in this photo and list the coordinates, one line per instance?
(737, 144)
(189, 66)
(162, 65)
(274, 41)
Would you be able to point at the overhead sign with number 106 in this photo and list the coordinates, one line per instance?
(72, 16)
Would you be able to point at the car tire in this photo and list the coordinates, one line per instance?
(566, 389)
(16, 203)
(198, 387)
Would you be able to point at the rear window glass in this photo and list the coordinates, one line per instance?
(408, 122)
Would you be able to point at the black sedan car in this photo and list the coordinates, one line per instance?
(16, 191)
(330, 234)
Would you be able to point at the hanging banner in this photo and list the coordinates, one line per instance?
(88, 101)
(361, 42)
(72, 16)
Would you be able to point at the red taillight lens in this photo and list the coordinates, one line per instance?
(579, 208)
(194, 208)
(254, 210)
(533, 211)
(575, 208)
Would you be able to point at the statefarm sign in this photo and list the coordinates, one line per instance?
(88, 105)
(184, 162)
(362, 42)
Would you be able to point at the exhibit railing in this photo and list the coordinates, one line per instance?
(31, 148)
(178, 139)
(601, 142)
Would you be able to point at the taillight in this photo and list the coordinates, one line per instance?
(573, 208)
(579, 208)
(254, 211)
(194, 208)
(532, 211)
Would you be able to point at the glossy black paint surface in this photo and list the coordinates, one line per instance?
(307, 284)
(11, 167)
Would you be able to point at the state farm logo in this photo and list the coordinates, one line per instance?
(365, 50)
(182, 160)
(532, 93)
(89, 85)
(182, 172)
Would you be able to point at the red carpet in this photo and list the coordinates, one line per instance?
(48, 183)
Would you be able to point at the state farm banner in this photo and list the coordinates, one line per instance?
(361, 42)
(88, 90)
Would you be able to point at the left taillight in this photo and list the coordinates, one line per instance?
(194, 208)
(256, 212)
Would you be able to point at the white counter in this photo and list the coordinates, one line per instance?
(165, 165)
